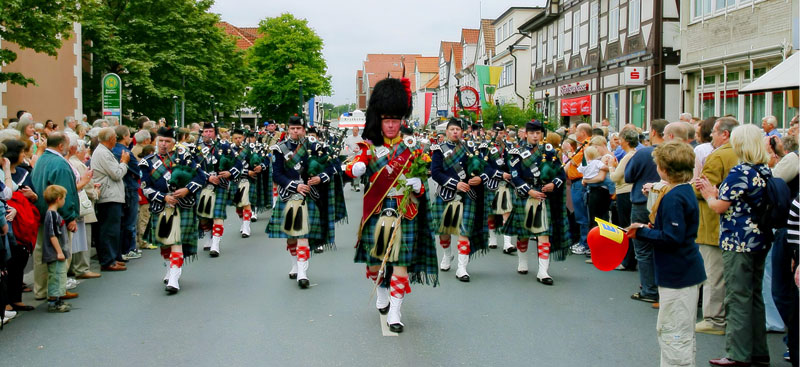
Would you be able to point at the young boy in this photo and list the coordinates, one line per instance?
(55, 252)
(679, 269)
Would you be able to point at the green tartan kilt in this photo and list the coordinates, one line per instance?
(515, 225)
(259, 198)
(189, 231)
(468, 225)
(314, 222)
(222, 199)
(407, 240)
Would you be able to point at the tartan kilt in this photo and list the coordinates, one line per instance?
(258, 195)
(468, 227)
(314, 222)
(515, 225)
(407, 240)
(223, 197)
(189, 231)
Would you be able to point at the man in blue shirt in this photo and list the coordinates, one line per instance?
(130, 210)
(641, 170)
(768, 124)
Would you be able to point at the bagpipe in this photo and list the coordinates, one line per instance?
(295, 214)
(168, 225)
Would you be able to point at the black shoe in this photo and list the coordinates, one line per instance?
(510, 250)
(319, 250)
(523, 272)
(638, 296)
(244, 235)
(384, 310)
(214, 254)
(492, 246)
(545, 281)
(292, 275)
(171, 290)
(31, 308)
(464, 278)
(303, 283)
(396, 328)
(760, 360)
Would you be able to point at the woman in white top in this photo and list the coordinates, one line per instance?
(701, 151)
(629, 140)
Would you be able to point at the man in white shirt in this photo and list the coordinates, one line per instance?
(350, 149)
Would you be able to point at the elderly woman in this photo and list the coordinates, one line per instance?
(86, 191)
(20, 248)
(629, 140)
(744, 248)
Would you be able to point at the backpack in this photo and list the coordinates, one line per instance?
(773, 213)
(26, 223)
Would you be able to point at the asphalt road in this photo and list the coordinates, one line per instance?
(242, 309)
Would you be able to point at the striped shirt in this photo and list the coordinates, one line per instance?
(793, 234)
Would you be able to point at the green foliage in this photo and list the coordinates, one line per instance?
(161, 49)
(512, 115)
(34, 24)
(288, 52)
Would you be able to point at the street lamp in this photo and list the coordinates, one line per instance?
(546, 104)
(300, 82)
(175, 103)
(213, 109)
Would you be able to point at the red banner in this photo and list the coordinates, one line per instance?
(576, 106)
(428, 101)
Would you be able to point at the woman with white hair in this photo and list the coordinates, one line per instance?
(87, 194)
(744, 247)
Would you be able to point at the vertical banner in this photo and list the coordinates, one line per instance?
(311, 111)
(488, 79)
(428, 102)
(112, 96)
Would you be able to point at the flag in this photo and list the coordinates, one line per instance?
(488, 79)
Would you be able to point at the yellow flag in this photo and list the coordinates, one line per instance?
(610, 231)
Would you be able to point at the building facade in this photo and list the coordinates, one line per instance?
(614, 59)
(725, 46)
(426, 77)
(513, 54)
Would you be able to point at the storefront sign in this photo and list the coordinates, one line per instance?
(112, 95)
(573, 88)
(576, 106)
(634, 75)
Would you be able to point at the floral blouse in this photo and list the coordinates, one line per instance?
(743, 188)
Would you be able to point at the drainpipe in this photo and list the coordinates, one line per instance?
(511, 52)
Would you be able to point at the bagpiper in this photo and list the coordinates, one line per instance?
(460, 204)
(501, 197)
(170, 181)
(540, 202)
(220, 164)
(246, 192)
(305, 211)
(384, 159)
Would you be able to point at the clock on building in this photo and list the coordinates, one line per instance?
(469, 97)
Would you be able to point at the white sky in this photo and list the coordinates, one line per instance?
(351, 29)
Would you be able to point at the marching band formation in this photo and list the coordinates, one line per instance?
(484, 186)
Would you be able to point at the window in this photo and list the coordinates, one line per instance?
(634, 16)
(709, 80)
(777, 108)
(551, 33)
(708, 8)
(612, 108)
(576, 32)
(507, 75)
(543, 44)
(594, 24)
(560, 38)
(613, 21)
(733, 77)
(498, 32)
(511, 27)
(754, 107)
(639, 107)
(707, 105)
(730, 102)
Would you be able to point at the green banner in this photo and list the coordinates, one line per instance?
(488, 78)
(112, 95)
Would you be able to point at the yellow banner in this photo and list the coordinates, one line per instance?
(610, 231)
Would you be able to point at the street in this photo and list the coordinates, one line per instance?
(242, 309)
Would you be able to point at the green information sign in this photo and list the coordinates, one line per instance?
(112, 95)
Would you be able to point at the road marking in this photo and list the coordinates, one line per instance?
(385, 327)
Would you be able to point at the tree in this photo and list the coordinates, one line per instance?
(289, 51)
(161, 49)
(38, 25)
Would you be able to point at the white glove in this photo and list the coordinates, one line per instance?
(359, 168)
(415, 184)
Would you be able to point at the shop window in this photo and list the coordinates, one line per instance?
(707, 105)
(639, 107)
(612, 108)
(777, 108)
(730, 100)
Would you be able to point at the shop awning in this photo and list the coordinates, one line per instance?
(782, 77)
(576, 106)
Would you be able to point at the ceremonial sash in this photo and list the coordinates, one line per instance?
(531, 160)
(455, 157)
(159, 168)
(383, 183)
(299, 153)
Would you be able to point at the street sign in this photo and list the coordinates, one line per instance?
(112, 95)
(634, 75)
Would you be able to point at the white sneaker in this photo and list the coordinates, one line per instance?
(131, 255)
(72, 283)
(10, 315)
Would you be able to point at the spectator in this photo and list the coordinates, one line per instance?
(86, 191)
(22, 204)
(56, 249)
(130, 211)
(769, 123)
(615, 146)
(744, 247)
(629, 141)
(70, 124)
(685, 117)
(108, 172)
(715, 169)
(678, 265)
(794, 126)
(701, 151)
(607, 125)
(142, 139)
(144, 210)
(641, 170)
(350, 149)
(582, 135)
(677, 131)
(27, 131)
(53, 169)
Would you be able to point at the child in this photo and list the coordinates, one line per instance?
(679, 269)
(53, 254)
(599, 185)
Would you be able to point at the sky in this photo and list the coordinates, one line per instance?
(351, 29)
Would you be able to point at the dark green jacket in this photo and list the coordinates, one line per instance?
(52, 169)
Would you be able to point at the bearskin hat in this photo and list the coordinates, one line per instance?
(390, 98)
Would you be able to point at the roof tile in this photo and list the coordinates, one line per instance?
(469, 36)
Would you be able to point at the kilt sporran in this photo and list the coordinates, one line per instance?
(502, 200)
(388, 223)
(206, 202)
(536, 218)
(295, 216)
(168, 229)
(242, 197)
(451, 217)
